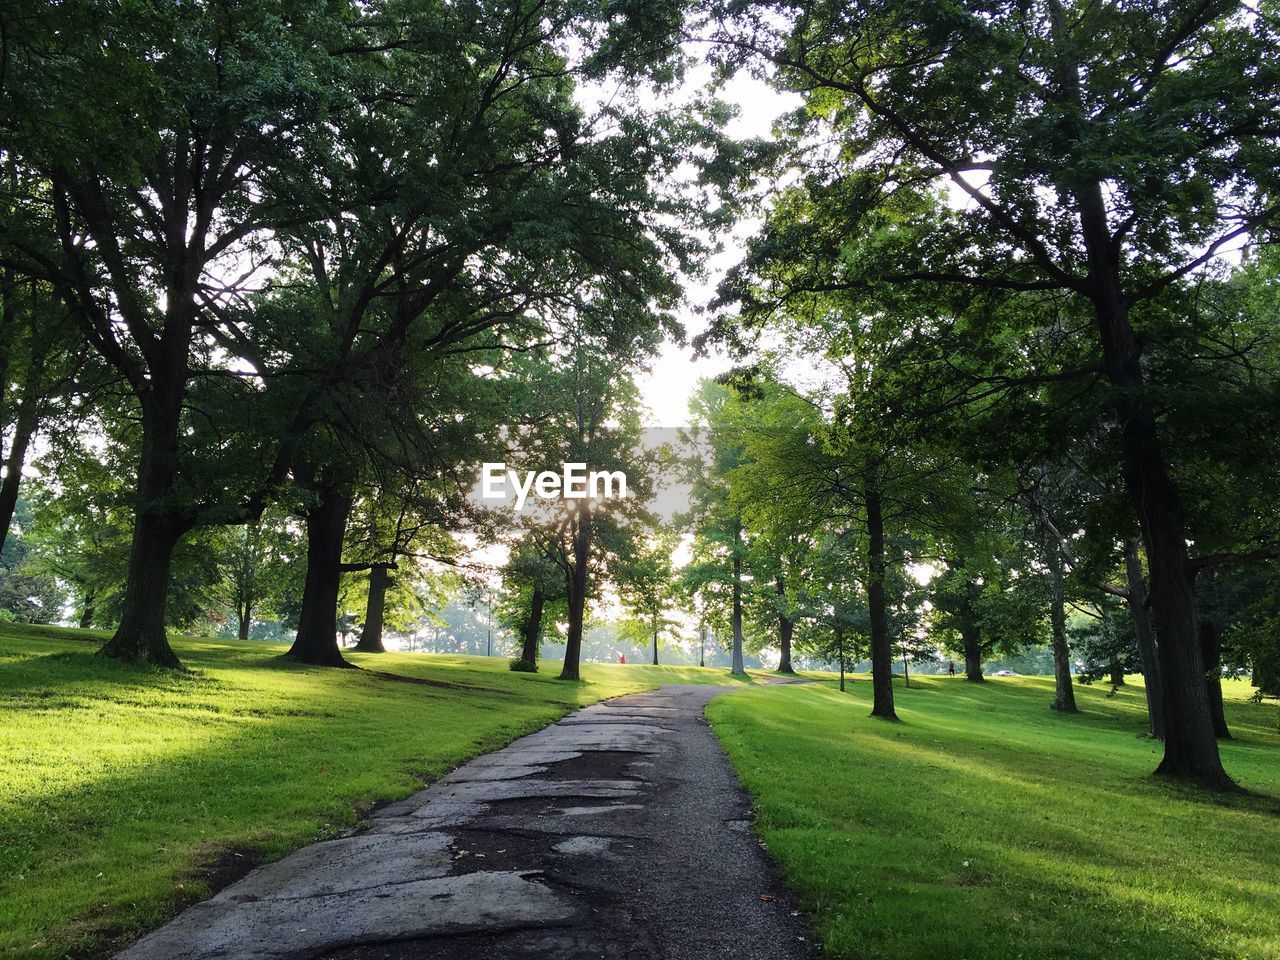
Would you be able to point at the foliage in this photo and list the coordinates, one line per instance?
(28, 593)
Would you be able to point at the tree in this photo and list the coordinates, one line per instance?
(430, 163)
(533, 593)
(986, 601)
(404, 522)
(1103, 155)
(256, 561)
(81, 523)
(158, 141)
(648, 588)
(1104, 641)
(39, 367)
(1251, 633)
(28, 592)
(833, 609)
(714, 574)
(519, 220)
(829, 459)
(582, 405)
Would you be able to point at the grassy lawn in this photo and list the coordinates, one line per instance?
(987, 826)
(126, 792)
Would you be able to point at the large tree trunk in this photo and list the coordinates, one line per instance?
(881, 648)
(577, 594)
(840, 657)
(1064, 696)
(141, 634)
(738, 667)
(1211, 650)
(317, 639)
(156, 532)
(969, 637)
(245, 616)
(786, 628)
(1145, 637)
(374, 611)
(533, 629)
(1190, 746)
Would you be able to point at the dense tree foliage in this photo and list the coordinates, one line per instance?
(278, 276)
(1048, 186)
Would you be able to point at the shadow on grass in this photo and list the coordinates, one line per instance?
(963, 835)
(119, 808)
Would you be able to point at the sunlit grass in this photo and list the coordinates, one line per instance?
(121, 786)
(988, 826)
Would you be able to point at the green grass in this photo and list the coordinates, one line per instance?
(987, 826)
(125, 791)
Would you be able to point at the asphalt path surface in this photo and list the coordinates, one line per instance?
(619, 832)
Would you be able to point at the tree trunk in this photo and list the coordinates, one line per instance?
(786, 627)
(317, 639)
(23, 431)
(577, 594)
(1145, 637)
(840, 657)
(972, 655)
(655, 646)
(738, 667)
(245, 615)
(1211, 650)
(1117, 672)
(1064, 695)
(1190, 746)
(86, 615)
(881, 648)
(141, 633)
(533, 629)
(28, 405)
(375, 608)
(156, 526)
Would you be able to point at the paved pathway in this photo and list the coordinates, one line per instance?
(618, 832)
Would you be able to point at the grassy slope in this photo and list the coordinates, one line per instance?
(122, 789)
(987, 826)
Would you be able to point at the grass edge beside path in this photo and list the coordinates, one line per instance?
(128, 792)
(988, 827)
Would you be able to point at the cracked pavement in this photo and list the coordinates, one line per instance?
(619, 831)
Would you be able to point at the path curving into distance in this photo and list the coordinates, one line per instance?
(620, 831)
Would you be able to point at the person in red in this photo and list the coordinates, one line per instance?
(622, 658)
